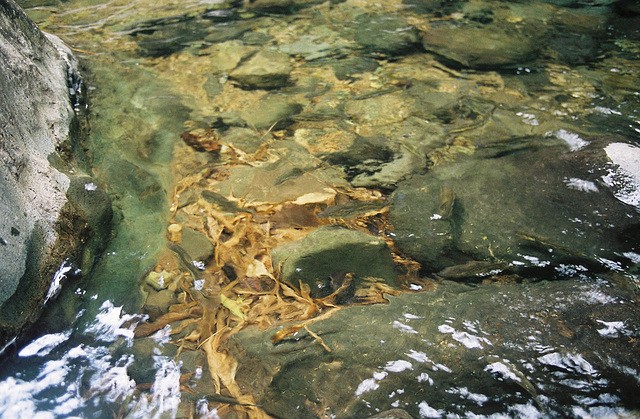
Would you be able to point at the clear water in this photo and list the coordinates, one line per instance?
(553, 335)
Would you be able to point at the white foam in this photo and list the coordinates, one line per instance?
(380, 375)
(58, 277)
(503, 370)
(424, 377)
(427, 411)
(581, 185)
(114, 381)
(398, 366)
(442, 367)
(165, 391)
(535, 261)
(624, 178)
(612, 329)
(573, 140)
(468, 340)
(109, 323)
(464, 392)
(44, 344)
(404, 328)
(569, 362)
(371, 384)
(606, 111)
(529, 118)
(632, 256)
(418, 356)
(367, 385)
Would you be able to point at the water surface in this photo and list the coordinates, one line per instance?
(474, 138)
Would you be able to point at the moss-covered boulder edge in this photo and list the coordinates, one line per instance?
(54, 217)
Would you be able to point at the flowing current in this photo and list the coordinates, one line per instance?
(472, 167)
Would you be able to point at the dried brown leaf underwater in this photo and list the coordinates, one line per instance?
(239, 287)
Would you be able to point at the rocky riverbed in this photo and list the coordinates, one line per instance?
(423, 208)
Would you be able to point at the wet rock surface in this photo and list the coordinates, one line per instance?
(326, 252)
(437, 350)
(265, 70)
(503, 215)
(197, 245)
(484, 47)
(480, 152)
(54, 218)
(386, 35)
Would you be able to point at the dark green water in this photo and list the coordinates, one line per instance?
(519, 108)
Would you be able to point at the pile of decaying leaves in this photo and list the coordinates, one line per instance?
(239, 287)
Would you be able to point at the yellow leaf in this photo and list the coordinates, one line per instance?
(233, 306)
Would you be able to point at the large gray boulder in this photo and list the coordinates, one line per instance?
(54, 219)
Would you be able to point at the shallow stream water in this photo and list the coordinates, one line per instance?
(489, 149)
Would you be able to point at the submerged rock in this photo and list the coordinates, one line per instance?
(377, 162)
(348, 68)
(380, 109)
(245, 139)
(386, 34)
(271, 112)
(226, 56)
(455, 351)
(281, 6)
(320, 42)
(197, 245)
(503, 206)
(575, 49)
(54, 220)
(485, 47)
(439, 7)
(164, 37)
(265, 70)
(326, 251)
(395, 152)
(294, 176)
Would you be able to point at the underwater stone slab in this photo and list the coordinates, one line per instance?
(485, 47)
(226, 56)
(312, 47)
(386, 34)
(377, 162)
(537, 208)
(271, 112)
(380, 110)
(282, 6)
(197, 245)
(166, 36)
(442, 7)
(245, 139)
(329, 250)
(388, 155)
(430, 345)
(351, 66)
(295, 174)
(265, 70)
